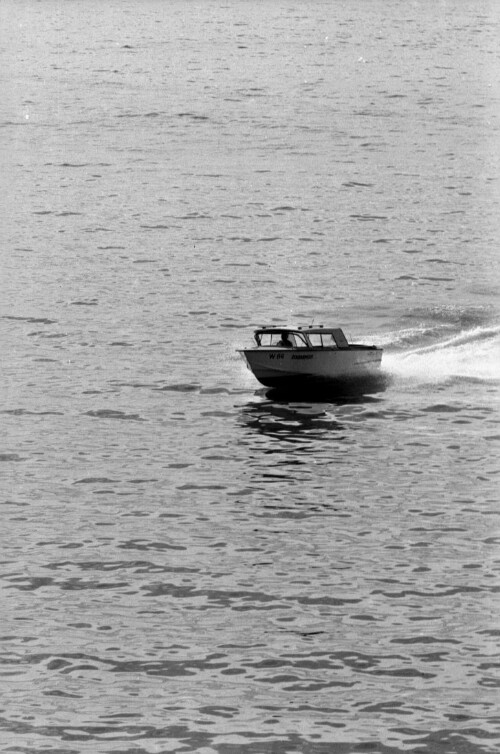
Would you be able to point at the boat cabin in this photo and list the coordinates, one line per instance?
(300, 337)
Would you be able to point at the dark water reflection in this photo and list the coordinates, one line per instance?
(290, 421)
(307, 412)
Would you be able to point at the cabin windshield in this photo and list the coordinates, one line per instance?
(273, 339)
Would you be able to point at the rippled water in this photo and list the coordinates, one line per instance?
(191, 562)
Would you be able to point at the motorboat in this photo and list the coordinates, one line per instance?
(284, 357)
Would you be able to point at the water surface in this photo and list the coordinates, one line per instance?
(191, 562)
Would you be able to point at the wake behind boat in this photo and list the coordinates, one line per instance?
(285, 357)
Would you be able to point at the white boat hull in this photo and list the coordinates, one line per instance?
(279, 367)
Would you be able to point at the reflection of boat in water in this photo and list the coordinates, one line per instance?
(286, 357)
(298, 418)
(292, 423)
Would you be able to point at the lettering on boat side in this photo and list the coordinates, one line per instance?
(294, 356)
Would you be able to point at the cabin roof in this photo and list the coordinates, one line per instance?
(308, 330)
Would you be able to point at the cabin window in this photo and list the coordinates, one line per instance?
(316, 340)
(275, 339)
(263, 339)
(328, 340)
(322, 340)
(300, 341)
(269, 339)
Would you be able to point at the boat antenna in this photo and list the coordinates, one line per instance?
(312, 323)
